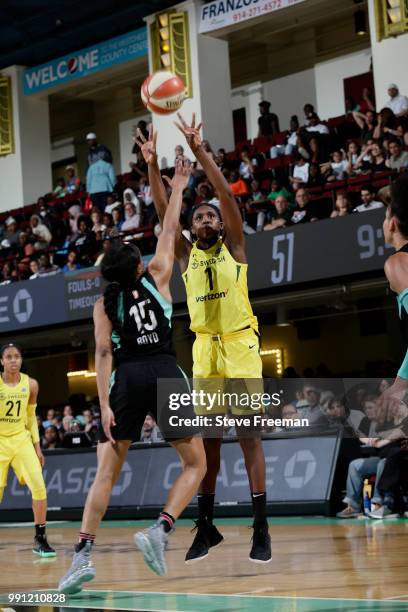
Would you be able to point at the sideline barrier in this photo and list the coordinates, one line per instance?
(299, 477)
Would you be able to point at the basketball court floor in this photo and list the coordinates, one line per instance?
(319, 564)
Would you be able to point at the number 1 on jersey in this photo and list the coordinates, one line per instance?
(210, 279)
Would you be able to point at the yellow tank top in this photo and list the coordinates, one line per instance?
(217, 291)
(13, 406)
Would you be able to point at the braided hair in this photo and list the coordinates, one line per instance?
(119, 268)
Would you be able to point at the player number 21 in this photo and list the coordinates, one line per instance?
(10, 405)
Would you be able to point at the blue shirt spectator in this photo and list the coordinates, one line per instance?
(100, 177)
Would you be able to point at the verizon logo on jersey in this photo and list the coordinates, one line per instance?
(212, 296)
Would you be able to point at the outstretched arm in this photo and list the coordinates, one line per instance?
(161, 266)
(159, 193)
(229, 208)
(148, 149)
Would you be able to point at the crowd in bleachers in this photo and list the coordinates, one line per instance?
(77, 425)
(314, 170)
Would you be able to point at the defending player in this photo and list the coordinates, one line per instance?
(20, 441)
(395, 229)
(133, 322)
(214, 270)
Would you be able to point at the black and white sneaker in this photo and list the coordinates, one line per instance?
(207, 537)
(42, 548)
(261, 545)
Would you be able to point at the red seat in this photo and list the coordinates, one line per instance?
(262, 144)
(287, 160)
(335, 121)
(270, 164)
(336, 185)
(279, 138)
(357, 180)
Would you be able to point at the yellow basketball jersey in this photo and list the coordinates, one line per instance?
(217, 291)
(13, 406)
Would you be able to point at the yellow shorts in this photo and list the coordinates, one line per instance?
(228, 364)
(18, 451)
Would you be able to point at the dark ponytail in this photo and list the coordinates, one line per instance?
(119, 268)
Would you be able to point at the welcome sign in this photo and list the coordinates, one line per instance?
(223, 13)
(86, 62)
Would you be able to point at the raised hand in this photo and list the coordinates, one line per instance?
(181, 175)
(147, 147)
(191, 132)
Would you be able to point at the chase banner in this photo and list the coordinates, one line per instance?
(223, 13)
(85, 62)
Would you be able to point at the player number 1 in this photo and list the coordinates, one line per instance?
(210, 280)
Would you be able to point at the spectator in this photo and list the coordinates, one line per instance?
(397, 103)
(398, 159)
(50, 420)
(139, 168)
(51, 438)
(277, 189)
(358, 471)
(150, 432)
(66, 424)
(34, 269)
(337, 167)
(367, 123)
(179, 154)
(142, 126)
(133, 217)
(268, 123)
(304, 211)
(369, 203)
(72, 263)
(351, 105)
(221, 161)
(291, 140)
(41, 233)
(97, 152)
(25, 248)
(132, 207)
(367, 103)
(106, 245)
(315, 125)
(74, 212)
(300, 174)
(67, 411)
(238, 185)
(112, 202)
(343, 205)
(9, 273)
(11, 234)
(308, 109)
(96, 218)
(316, 178)
(117, 219)
(46, 267)
(107, 221)
(60, 191)
(376, 159)
(91, 424)
(313, 410)
(100, 182)
(145, 195)
(281, 215)
(85, 241)
(73, 182)
(247, 165)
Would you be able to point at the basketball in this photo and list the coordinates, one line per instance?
(163, 92)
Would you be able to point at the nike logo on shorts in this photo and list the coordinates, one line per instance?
(252, 346)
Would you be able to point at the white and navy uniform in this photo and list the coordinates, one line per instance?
(143, 352)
